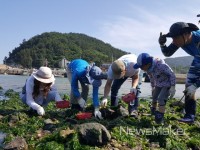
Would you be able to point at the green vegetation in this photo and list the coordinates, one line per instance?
(55, 46)
(126, 132)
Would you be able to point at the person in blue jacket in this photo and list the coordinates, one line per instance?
(186, 36)
(79, 70)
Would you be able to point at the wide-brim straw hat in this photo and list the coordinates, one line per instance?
(44, 75)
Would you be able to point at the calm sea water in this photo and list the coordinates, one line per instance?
(16, 83)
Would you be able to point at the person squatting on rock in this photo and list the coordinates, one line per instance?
(120, 70)
(162, 80)
(186, 36)
(81, 71)
(39, 90)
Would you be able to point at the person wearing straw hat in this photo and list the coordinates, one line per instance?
(119, 71)
(39, 90)
(186, 36)
(80, 71)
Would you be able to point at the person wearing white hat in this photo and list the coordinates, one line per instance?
(39, 90)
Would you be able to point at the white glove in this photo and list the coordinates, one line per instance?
(133, 90)
(97, 113)
(104, 102)
(190, 90)
(82, 102)
(172, 91)
(40, 111)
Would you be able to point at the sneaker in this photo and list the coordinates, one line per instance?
(153, 110)
(187, 119)
(159, 117)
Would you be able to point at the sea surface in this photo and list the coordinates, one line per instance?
(16, 82)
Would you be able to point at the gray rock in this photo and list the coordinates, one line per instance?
(123, 111)
(93, 134)
(48, 121)
(17, 144)
(2, 137)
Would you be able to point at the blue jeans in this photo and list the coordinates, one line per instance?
(84, 87)
(51, 96)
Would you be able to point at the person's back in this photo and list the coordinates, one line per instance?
(193, 48)
(129, 60)
(79, 66)
(162, 74)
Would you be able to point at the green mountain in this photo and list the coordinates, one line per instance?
(55, 46)
(180, 64)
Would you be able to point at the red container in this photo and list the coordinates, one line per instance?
(84, 115)
(128, 98)
(63, 104)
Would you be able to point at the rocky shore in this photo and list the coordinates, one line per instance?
(59, 129)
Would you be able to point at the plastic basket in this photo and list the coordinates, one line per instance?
(84, 115)
(63, 104)
(128, 98)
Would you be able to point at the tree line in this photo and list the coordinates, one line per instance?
(55, 46)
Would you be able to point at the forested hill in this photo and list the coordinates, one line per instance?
(55, 46)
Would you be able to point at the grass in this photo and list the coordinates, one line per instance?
(126, 132)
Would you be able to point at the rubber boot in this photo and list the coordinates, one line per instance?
(159, 117)
(153, 110)
(190, 111)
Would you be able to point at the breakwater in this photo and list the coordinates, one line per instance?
(180, 78)
(20, 71)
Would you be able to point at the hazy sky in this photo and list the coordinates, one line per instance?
(131, 25)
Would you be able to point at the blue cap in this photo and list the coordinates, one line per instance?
(143, 59)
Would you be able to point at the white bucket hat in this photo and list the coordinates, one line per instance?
(44, 75)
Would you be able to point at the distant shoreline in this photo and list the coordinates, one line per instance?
(4, 69)
(181, 78)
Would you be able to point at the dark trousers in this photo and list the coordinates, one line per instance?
(114, 92)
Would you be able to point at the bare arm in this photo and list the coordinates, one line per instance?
(107, 87)
(135, 80)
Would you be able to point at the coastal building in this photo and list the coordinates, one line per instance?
(63, 62)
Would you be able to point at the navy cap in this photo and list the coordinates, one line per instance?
(180, 28)
(143, 59)
(95, 74)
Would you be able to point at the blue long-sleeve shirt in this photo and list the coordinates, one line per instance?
(79, 69)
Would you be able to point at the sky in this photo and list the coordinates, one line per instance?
(131, 25)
